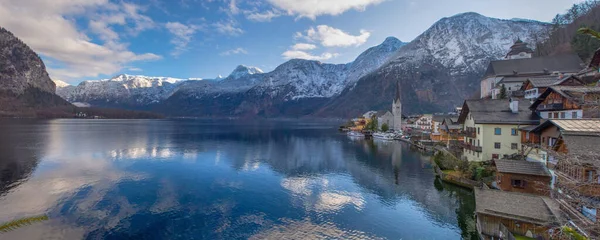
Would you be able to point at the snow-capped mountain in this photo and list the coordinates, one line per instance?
(439, 68)
(466, 42)
(242, 71)
(128, 90)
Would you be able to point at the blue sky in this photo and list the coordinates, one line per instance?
(93, 39)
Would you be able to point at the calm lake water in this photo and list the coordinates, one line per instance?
(190, 179)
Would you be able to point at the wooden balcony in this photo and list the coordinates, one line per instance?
(585, 188)
(471, 147)
(554, 106)
(472, 133)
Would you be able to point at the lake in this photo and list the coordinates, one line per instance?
(200, 179)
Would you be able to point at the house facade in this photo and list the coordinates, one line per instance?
(523, 176)
(491, 128)
(568, 102)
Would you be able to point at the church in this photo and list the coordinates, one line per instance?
(394, 118)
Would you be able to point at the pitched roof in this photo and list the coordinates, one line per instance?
(573, 93)
(583, 126)
(569, 63)
(521, 167)
(544, 81)
(583, 145)
(518, 206)
(487, 111)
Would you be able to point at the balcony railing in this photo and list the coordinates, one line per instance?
(569, 183)
(471, 147)
(553, 106)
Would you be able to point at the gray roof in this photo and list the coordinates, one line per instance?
(518, 206)
(521, 167)
(569, 63)
(545, 81)
(486, 111)
(575, 92)
(519, 47)
(583, 145)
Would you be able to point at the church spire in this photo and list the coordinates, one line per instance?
(397, 98)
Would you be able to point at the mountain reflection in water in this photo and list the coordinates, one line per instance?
(178, 179)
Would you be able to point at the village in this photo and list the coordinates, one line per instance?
(527, 147)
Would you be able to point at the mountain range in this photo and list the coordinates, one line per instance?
(436, 71)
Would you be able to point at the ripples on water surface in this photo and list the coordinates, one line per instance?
(184, 179)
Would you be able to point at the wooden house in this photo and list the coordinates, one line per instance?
(502, 215)
(568, 102)
(523, 176)
(573, 155)
(535, 86)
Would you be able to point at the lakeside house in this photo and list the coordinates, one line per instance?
(519, 65)
(491, 128)
(571, 147)
(523, 176)
(500, 214)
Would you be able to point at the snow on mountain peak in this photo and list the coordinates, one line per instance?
(60, 84)
(242, 70)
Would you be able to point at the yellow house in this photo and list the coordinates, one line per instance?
(491, 128)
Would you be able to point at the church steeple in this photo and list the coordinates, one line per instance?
(397, 98)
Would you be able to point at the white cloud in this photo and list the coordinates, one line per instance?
(48, 27)
(304, 46)
(311, 9)
(182, 35)
(290, 54)
(228, 28)
(233, 9)
(134, 69)
(234, 51)
(333, 37)
(262, 17)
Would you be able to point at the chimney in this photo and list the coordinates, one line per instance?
(514, 106)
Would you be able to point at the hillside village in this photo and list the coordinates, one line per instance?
(527, 146)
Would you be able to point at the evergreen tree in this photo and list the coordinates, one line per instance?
(502, 94)
(385, 127)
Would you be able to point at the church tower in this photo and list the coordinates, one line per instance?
(519, 50)
(397, 110)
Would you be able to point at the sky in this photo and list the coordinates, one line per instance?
(95, 39)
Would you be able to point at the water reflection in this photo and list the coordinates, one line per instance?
(177, 179)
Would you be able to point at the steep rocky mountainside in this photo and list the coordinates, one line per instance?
(25, 86)
(438, 69)
(21, 67)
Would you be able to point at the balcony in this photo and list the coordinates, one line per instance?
(472, 133)
(471, 147)
(570, 184)
(553, 106)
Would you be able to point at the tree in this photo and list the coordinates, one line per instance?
(502, 94)
(385, 127)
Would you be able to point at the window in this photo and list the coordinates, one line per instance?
(513, 131)
(551, 142)
(478, 130)
(518, 183)
(497, 145)
(478, 144)
(563, 115)
(514, 146)
(498, 131)
(555, 115)
(574, 115)
(478, 156)
(494, 156)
